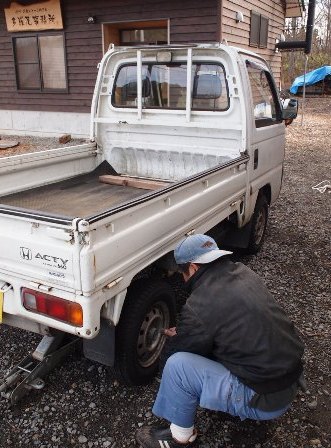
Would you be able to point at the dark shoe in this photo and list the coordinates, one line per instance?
(149, 437)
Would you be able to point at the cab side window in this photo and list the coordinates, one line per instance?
(265, 102)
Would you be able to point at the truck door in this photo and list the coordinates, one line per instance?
(267, 131)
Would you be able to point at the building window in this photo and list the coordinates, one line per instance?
(135, 33)
(265, 101)
(40, 62)
(144, 36)
(164, 86)
(259, 30)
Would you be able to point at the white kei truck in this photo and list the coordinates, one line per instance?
(183, 139)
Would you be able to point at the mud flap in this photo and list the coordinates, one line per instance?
(239, 237)
(102, 347)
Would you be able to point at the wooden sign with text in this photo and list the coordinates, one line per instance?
(35, 17)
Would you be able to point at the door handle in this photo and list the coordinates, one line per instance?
(256, 158)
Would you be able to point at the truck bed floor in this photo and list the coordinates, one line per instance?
(81, 196)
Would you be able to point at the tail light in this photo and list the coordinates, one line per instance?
(51, 306)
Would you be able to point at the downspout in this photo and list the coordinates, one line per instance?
(302, 44)
(219, 31)
(310, 26)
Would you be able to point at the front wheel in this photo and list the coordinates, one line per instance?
(259, 225)
(149, 308)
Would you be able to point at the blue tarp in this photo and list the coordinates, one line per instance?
(311, 78)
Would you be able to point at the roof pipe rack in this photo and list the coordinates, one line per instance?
(302, 44)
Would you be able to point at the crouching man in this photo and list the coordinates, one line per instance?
(234, 349)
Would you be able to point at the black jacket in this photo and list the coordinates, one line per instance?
(231, 317)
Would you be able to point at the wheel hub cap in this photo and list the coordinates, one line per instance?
(151, 338)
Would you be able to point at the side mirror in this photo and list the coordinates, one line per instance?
(290, 109)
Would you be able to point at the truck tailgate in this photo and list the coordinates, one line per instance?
(38, 252)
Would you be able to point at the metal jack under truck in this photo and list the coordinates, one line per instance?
(183, 139)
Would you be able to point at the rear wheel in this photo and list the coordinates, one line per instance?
(259, 225)
(149, 308)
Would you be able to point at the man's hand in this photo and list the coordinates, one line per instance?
(170, 331)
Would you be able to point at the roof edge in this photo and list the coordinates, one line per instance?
(294, 8)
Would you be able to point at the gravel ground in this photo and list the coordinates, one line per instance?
(83, 405)
(33, 144)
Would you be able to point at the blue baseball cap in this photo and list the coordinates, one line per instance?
(198, 249)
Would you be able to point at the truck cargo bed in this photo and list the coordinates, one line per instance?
(80, 196)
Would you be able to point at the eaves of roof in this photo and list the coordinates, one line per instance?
(294, 8)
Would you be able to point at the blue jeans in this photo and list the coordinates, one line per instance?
(190, 380)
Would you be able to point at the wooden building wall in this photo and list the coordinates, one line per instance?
(238, 34)
(190, 21)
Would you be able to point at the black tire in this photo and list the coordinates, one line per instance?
(149, 307)
(259, 225)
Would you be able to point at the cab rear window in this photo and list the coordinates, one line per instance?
(164, 86)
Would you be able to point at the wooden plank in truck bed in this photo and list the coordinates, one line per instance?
(144, 184)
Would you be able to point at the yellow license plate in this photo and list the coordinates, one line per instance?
(1, 306)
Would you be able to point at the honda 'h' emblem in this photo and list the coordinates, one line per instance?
(26, 253)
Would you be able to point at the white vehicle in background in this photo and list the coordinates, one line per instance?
(183, 139)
